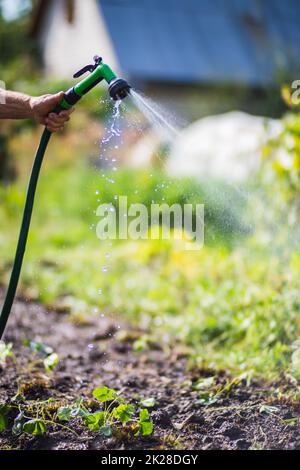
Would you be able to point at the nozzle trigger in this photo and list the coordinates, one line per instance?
(87, 68)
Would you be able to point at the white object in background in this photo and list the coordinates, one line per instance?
(66, 46)
(226, 147)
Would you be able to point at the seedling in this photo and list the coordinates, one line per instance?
(5, 352)
(35, 417)
(113, 411)
(148, 402)
(206, 396)
(50, 360)
(269, 409)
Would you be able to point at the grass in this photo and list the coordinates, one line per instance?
(234, 303)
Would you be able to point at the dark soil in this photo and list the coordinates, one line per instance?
(93, 355)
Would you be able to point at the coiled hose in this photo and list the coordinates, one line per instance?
(21, 246)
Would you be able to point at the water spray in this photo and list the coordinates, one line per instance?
(118, 90)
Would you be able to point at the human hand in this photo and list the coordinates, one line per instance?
(42, 110)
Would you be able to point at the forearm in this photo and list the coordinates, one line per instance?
(15, 105)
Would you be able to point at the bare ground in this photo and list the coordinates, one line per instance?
(93, 355)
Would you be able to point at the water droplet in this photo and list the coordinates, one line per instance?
(99, 291)
(104, 269)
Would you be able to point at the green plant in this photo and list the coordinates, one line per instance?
(113, 410)
(105, 415)
(148, 402)
(5, 352)
(50, 358)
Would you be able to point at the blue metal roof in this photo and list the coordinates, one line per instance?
(193, 41)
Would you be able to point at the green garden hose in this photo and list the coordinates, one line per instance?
(21, 246)
(118, 89)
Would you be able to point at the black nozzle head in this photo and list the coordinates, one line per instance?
(119, 89)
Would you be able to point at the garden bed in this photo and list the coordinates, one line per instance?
(190, 409)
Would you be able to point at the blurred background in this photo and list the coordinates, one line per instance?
(221, 73)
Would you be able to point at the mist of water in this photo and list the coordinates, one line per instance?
(245, 204)
(159, 118)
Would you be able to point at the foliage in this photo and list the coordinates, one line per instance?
(50, 358)
(50, 362)
(148, 402)
(35, 418)
(114, 410)
(282, 155)
(17, 50)
(5, 352)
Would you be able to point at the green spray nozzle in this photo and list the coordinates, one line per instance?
(118, 88)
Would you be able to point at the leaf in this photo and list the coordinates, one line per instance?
(35, 427)
(204, 384)
(51, 361)
(79, 402)
(144, 415)
(145, 425)
(146, 428)
(148, 402)
(205, 399)
(104, 394)
(5, 352)
(106, 430)
(78, 411)
(2, 422)
(95, 421)
(38, 347)
(64, 413)
(4, 410)
(268, 409)
(18, 424)
(141, 344)
(124, 412)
